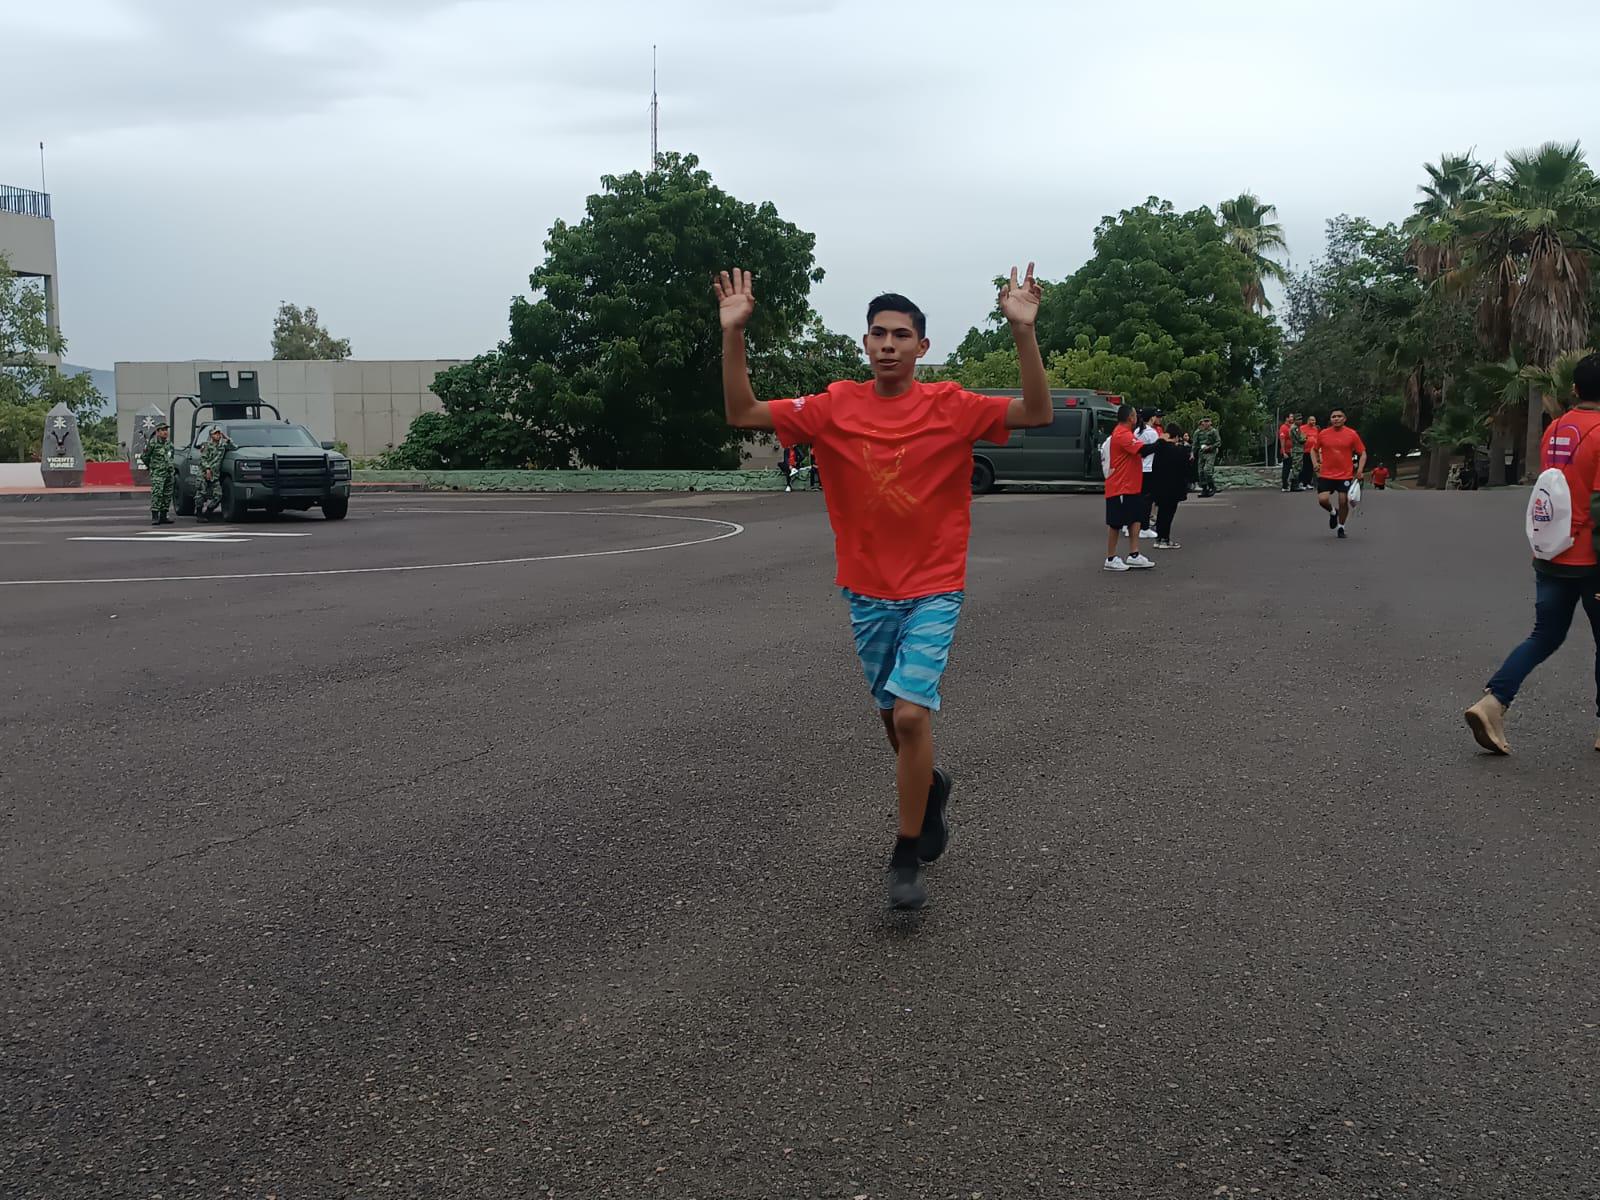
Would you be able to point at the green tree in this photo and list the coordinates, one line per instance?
(297, 333)
(1527, 255)
(1165, 289)
(1251, 228)
(1093, 365)
(29, 387)
(1435, 222)
(614, 362)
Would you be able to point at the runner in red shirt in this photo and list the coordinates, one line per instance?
(1308, 460)
(1334, 451)
(1380, 478)
(897, 457)
(1572, 443)
(1124, 491)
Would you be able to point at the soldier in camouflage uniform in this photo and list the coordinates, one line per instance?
(208, 495)
(1297, 440)
(158, 461)
(1207, 445)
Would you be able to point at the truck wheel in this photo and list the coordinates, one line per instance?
(335, 507)
(982, 477)
(233, 507)
(185, 502)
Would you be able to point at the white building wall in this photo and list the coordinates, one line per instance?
(29, 245)
(367, 404)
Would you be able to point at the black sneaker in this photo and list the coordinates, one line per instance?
(1341, 531)
(1333, 520)
(936, 821)
(906, 890)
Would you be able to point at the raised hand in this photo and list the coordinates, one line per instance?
(736, 298)
(1019, 301)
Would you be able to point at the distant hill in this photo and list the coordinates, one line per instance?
(104, 381)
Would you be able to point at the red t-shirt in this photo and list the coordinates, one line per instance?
(1338, 447)
(897, 477)
(1310, 433)
(1573, 443)
(1285, 438)
(1127, 464)
(1381, 476)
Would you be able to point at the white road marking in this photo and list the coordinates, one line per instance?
(729, 529)
(151, 536)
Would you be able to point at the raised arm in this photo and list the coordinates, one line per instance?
(736, 301)
(1019, 302)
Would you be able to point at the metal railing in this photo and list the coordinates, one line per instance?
(23, 202)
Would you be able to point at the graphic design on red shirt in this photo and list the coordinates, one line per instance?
(897, 479)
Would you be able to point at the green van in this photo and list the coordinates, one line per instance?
(1066, 451)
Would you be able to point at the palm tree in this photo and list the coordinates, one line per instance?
(1435, 252)
(1251, 227)
(1557, 380)
(1456, 180)
(1528, 251)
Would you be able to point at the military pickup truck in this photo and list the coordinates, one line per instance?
(1065, 452)
(274, 464)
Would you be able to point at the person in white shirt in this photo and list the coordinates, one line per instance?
(1148, 433)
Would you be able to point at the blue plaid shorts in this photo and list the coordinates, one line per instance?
(904, 645)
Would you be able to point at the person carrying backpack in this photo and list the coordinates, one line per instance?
(1564, 531)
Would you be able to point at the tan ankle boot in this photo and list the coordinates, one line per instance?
(1487, 720)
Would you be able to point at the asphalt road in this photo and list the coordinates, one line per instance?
(562, 877)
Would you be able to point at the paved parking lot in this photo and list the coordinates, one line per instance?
(531, 846)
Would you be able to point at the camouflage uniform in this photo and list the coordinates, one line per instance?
(1297, 439)
(208, 491)
(1207, 445)
(158, 461)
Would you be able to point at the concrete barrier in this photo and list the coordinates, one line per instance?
(21, 475)
(578, 481)
(664, 481)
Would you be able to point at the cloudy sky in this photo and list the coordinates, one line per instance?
(397, 163)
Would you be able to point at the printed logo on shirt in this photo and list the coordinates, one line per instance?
(886, 481)
(1564, 445)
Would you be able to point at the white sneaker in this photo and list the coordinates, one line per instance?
(1139, 562)
(1123, 531)
(1147, 533)
(1114, 563)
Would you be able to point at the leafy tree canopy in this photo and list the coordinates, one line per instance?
(615, 359)
(297, 333)
(28, 387)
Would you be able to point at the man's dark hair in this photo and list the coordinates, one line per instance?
(1124, 412)
(894, 302)
(1174, 429)
(1586, 379)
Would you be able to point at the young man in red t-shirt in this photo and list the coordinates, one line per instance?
(1335, 453)
(1125, 507)
(1572, 443)
(1308, 458)
(897, 457)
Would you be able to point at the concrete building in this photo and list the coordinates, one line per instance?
(368, 405)
(28, 241)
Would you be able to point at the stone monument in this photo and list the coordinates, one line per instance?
(61, 455)
(144, 428)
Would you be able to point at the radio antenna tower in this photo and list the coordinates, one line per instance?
(655, 115)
